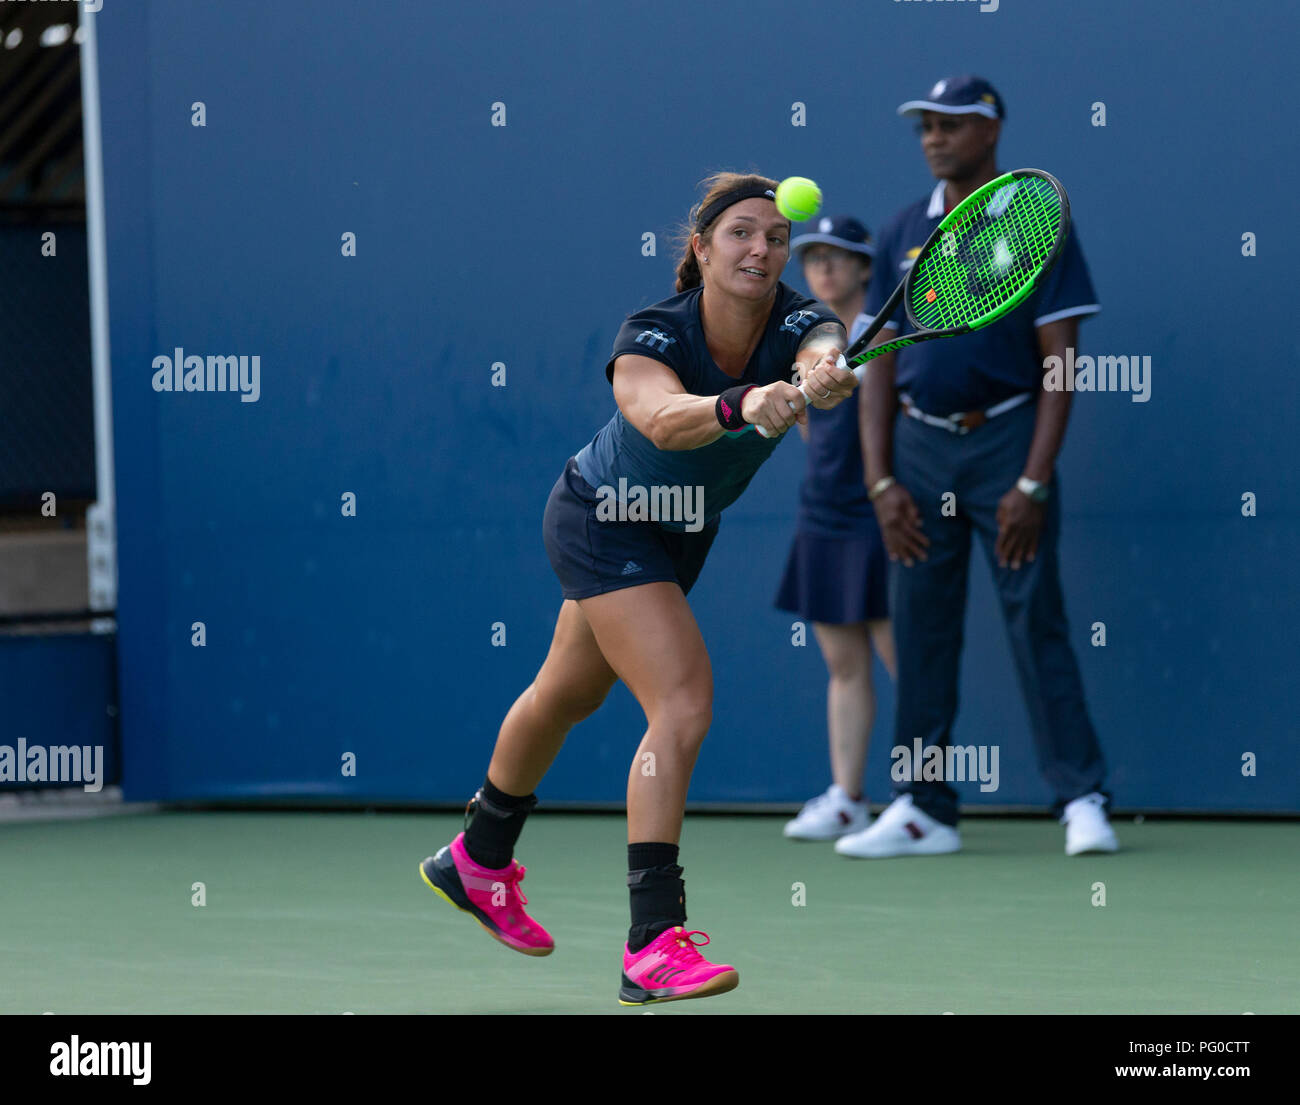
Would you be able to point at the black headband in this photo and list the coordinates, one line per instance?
(719, 205)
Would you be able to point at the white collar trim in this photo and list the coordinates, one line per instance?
(935, 210)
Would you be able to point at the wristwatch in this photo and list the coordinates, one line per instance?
(880, 487)
(1036, 491)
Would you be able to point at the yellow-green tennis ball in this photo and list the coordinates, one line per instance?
(798, 198)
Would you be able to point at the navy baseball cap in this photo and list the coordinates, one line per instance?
(964, 95)
(843, 231)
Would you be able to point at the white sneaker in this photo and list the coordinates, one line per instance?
(1086, 826)
(828, 816)
(902, 829)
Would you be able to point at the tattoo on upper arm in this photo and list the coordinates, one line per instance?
(825, 333)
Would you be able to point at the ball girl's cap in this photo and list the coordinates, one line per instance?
(843, 231)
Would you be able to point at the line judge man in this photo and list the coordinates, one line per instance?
(970, 416)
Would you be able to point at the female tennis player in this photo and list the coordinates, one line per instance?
(837, 570)
(690, 375)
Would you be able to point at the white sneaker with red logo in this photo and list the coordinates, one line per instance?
(902, 829)
(829, 816)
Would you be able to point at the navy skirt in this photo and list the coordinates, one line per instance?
(836, 580)
(591, 556)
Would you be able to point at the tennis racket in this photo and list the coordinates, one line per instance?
(982, 262)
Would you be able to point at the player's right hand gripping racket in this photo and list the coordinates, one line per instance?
(985, 259)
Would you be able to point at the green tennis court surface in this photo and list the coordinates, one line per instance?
(326, 913)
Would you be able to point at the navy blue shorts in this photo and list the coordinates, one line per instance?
(591, 556)
(836, 580)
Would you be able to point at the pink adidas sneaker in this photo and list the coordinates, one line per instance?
(671, 968)
(492, 897)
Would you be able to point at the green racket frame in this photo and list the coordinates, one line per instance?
(951, 238)
(858, 355)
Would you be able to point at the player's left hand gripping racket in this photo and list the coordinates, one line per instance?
(984, 260)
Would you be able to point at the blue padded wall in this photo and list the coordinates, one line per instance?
(522, 245)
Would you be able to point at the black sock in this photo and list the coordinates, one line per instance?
(641, 856)
(495, 821)
(657, 891)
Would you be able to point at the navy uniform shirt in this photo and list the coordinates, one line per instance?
(973, 371)
(671, 332)
(833, 497)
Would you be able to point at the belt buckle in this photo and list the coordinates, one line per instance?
(971, 420)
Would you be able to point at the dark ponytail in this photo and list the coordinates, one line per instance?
(688, 268)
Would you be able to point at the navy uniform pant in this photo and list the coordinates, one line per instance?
(928, 606)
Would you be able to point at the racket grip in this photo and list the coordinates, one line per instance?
(762, 431)
(858, 370)
(843, 366)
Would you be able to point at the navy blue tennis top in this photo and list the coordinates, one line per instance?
(974, 371)
(671, 332)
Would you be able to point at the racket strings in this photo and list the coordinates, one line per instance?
(991, 252)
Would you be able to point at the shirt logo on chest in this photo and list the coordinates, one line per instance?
(798, 321)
